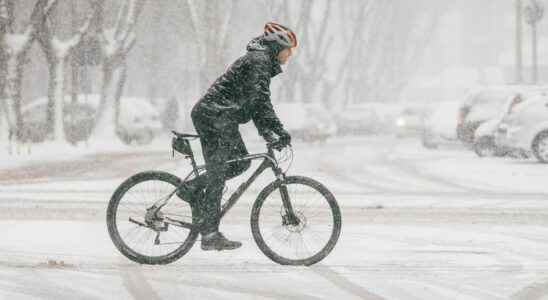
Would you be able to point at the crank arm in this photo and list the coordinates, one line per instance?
(137, 222)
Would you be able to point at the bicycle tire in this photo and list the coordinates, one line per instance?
(334, 210)
(114, 233)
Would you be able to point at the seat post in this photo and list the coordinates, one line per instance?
(194, 166)
(192, 160)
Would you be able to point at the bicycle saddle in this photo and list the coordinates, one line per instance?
(185, 135)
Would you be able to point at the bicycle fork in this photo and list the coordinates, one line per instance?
(289, 218)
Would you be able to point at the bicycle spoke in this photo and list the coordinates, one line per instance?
(134, 202)
(306, 241)
(131, 230)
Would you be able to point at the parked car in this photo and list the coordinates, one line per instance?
(308, 122)
(481, 112)
(480, 106)
(78, 121)
(362, 121)
(440, 126)
(369, 118)
(410, 122)
(525, 128)
(484, 139)
(138, 121)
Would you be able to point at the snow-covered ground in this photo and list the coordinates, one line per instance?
(417, 224)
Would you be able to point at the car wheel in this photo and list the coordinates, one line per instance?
(501, 152)
(485, 146)
(427, 143)
(540, 147)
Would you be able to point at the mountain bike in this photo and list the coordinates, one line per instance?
(295, 220)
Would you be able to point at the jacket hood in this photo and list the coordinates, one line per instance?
(272, 48)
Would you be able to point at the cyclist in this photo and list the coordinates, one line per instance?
(241, 94)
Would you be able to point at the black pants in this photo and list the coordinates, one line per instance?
(221, 141)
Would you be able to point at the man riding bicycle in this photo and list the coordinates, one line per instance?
(241, 94)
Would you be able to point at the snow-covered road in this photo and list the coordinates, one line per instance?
(417, 224)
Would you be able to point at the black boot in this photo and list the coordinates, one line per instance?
(217, 241)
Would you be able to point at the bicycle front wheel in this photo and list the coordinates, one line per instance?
(144, 238)
(304, 240)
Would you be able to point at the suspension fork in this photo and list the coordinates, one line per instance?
(290, 218)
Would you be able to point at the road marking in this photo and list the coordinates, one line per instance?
(343, 283)
(136, 283)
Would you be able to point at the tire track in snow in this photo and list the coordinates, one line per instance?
(377, 181)
(376, 188)
(506, 262)
(137, 285)
(534, 291)
(89, 167)
(402, 166)
(387, 181)
(202, 282)
(343, 283)
(407, 167)
(40, 286)
(466, 291)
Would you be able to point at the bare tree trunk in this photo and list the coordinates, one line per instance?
(15, 47)
(4, 122)
(116, 43)
(52, 85)
(59, 95)
(56, 94)
(14, 77)
(121, 82)
(114, 77)
(58, 54)
(74, 65)
(106, 116)
(211, 31)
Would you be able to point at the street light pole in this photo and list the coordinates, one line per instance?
(533, 12)
(534, 75)
(519, 44)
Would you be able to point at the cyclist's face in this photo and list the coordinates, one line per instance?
(284, 55)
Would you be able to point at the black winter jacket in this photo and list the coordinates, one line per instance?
(242, 93)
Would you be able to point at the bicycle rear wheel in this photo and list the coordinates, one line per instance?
(312, 237)
(140, 237)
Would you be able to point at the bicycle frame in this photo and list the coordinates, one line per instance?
(269, 161)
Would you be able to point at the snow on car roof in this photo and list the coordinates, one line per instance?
(500, 92)
(129, 106)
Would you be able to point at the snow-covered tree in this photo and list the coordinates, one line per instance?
(388, 49)
(14, 47)
(364, 50)
(170, 115)
(58, 51)
(116, 41)
(211, 22)
(311, 20)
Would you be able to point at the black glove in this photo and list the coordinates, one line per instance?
(269, 137)
(284, 139)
